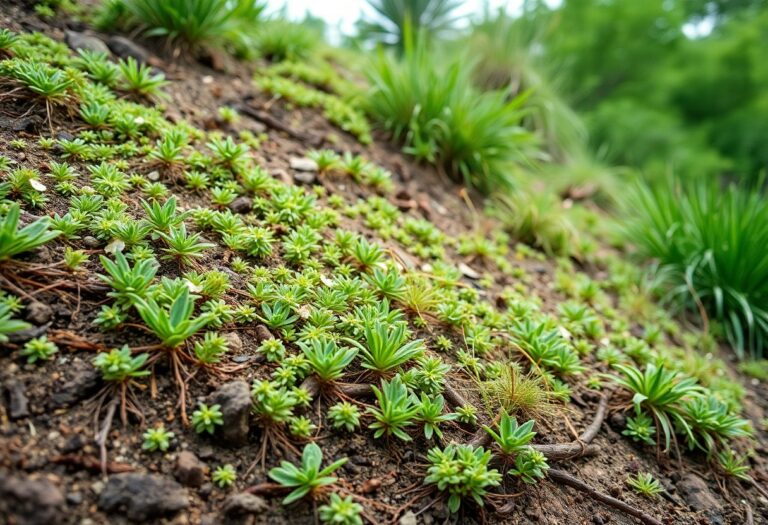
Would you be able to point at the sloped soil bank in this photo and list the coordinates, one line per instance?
(49, 459)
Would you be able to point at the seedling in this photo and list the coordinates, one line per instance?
(344, 415)
(308, 477)
(645, 484)
(511, 437)
(462, 472)
(206, 419)
(224, 476)
(14, 241)
(157, 438)
(341, 511)
(396, 410)
(39, 349)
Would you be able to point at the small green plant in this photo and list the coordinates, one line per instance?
(660, 391)
(206, 419)
(14, 241)
(139, 79)
(273, 349)
(196, 23)
(211, 348)
(511, 437)
(341, 511)
(39, 348)
(8, 325)
(125, 279)
(120, 365)
(530, 465)
(327, 360)
(172, 325)
(157, 438)
(640, 428)
(308, 477)
(733, 465)
(396, 410)
(462, 471)
(74, 259)
(645, 484)
(430, 412)
(224, 476)
(344, 415)
(183, 247)
(385, 348)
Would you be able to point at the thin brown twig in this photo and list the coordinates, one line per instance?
(573, 482)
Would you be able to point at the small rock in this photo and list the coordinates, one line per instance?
(206, 452)
(618, 421)
(124, 47)
(302, 164)
(468, 271)
(75, 498)
(244, 503)
(409, 518)
(190, 471)
(154, 176)
(64, 135)
(696, 493)
(83, 381)
(142, 497)
(241, 205)
(234, 343)
(29, 501)
(91, 242)
(283, 176)
(38, 313)
(17, 399)
(263, 333)
(235, 400)
(305, 177)
(241, 358)
(77, 40)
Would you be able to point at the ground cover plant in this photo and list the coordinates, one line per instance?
(231, 299)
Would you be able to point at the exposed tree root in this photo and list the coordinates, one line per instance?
(278, 125)
(564, 478)
(560, 451)
(91, 463)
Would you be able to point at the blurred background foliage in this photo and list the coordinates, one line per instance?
(660, 85)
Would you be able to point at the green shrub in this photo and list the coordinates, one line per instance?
(708, 244)
(279, 40)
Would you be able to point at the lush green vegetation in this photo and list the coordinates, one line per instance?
(352, 337)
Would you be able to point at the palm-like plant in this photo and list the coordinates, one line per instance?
(308, 477)
(660, 391)
(14, 241)
(396, 17)
(175, 325)
(385, 347)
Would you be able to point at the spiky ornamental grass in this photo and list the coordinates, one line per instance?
(709, 248)
(14, 241)
(196, 23)
(475, 137)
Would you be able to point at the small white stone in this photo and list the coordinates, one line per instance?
(302, 164)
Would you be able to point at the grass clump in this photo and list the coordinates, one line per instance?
(708, 247)
(196, 23)
(475, 137)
